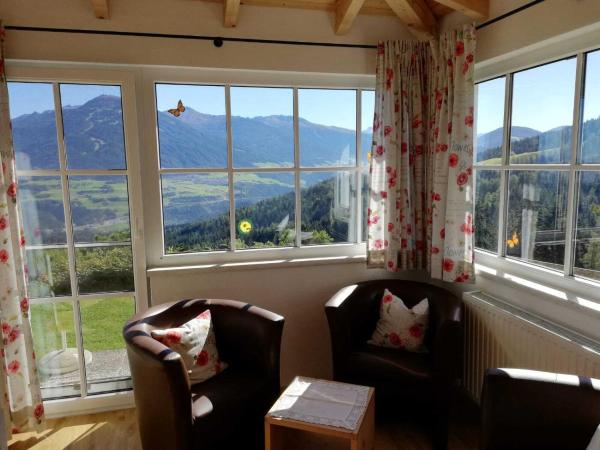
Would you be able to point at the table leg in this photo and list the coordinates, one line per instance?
(364, 439)
(273, 437)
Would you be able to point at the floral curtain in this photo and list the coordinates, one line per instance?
(420, 205)
(21, 402)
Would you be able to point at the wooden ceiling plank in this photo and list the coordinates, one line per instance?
(416, 15)
(231, 10)
(345, 13)
(476, 9)
(101, 10)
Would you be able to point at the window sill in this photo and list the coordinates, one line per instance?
(261, 258)
(581, 294)
(92, 404)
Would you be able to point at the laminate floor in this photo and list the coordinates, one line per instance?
(117, 430)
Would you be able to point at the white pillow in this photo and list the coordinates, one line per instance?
(195, 342)
(595, 442)
(399, 327)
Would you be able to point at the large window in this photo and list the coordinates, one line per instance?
(537, 173)
(261, 167)
(73, 181)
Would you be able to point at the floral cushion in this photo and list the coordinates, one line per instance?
(195, 342)
(400, 327)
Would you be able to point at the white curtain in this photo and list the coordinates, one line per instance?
(21, 401)
(421, 196)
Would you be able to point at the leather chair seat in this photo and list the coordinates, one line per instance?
(226, 401)
(383, 365)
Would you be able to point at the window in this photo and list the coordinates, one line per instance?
(537, 196)
(245, 167)
(74, 195)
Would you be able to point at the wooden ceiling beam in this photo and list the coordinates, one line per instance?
(101, 10)
(231, 11)
(416, 15)
(345, 13)
(476, 9)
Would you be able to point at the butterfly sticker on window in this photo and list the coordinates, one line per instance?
(514, 241)
(177, 111)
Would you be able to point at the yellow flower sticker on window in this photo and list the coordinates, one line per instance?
(245, 226)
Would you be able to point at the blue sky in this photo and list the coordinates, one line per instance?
(327, 107)
(26, 98)
(542, 96)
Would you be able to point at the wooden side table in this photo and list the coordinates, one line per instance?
(359, 438)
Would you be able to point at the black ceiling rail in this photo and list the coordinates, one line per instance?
(219, 40)
(508, 14)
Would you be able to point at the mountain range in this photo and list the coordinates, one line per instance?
(94, 139)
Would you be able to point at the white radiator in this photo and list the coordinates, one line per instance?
(499, 335)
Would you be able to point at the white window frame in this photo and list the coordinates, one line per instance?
(564, 285)
(245, 78)
(57, 74)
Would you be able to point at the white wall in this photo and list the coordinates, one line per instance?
(193, 17)
(528, 28)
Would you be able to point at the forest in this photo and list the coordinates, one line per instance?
(537, 201)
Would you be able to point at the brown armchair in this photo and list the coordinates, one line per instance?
(527, 409)
(222, 412)
(352, 314)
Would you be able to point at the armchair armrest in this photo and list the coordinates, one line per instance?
(339, 312)
(162, 389)
(530, 409)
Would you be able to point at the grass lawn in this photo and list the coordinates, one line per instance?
(102, 323)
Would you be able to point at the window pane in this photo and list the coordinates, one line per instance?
(487, 201)
(93, 126)
(365, 204)
(368, 111)
(33, 125)
(489, 121)
(104, 269)
(328, 207)
(99, 209)
(102, 323)
(536, 222)
(193, 133)
(327, 127)
(195, 212)
(48, 272)
(42, 210)
(56, 349)
(590, 136)
(542, 113)
(262, 126)
(587, 233)
(264, 209)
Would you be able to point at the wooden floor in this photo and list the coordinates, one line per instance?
(118, 430)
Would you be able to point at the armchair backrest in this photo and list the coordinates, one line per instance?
(528, 409)
(443, 305)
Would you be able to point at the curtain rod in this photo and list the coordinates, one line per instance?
(218, 40)
(508, 14)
